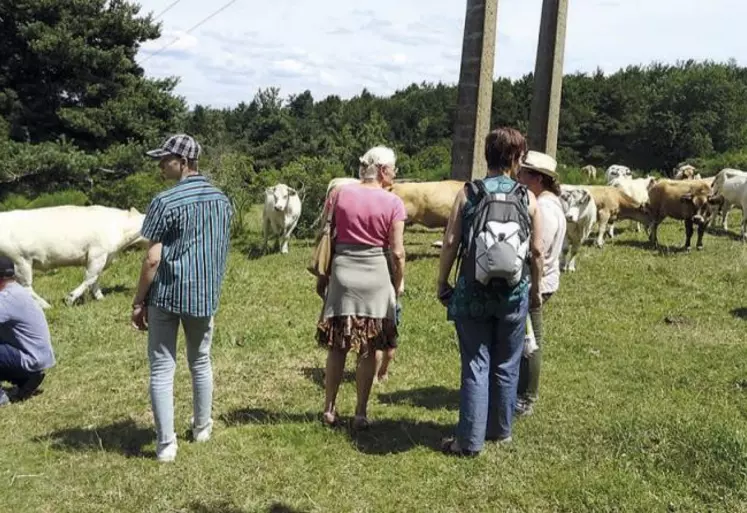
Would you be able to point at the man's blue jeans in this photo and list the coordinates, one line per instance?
(490, 352)
(10, 365)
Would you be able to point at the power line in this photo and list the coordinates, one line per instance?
(166, 10)
(225, 6)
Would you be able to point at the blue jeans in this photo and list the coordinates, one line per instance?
(163, 328)
(490, 352)
(10, 365)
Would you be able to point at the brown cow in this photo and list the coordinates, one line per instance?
(688, 200)
(428, 203)
(613, 204)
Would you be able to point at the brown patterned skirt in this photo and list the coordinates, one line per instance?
(359, 308)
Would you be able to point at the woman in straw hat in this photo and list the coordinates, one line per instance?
(538, 173)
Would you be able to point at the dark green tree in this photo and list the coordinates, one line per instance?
(68, 70)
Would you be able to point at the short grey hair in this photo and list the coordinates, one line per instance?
(376, 156)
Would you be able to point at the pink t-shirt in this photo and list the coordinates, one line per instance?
(365, 216)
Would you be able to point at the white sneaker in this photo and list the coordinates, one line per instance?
(201, 434)
(167, 452)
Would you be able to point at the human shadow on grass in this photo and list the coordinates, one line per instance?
(740, 313)
(124, 437)
(384, 436)
(316, 375)
(224, 507)
(432, 398)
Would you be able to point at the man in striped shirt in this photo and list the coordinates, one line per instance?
(188, 227)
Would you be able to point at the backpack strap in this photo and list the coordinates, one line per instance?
(475, 189)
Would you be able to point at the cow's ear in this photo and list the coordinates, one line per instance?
(268, 190)
(686, 198)
(292, 191)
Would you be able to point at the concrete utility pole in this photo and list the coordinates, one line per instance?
(475, 91)
(548, 78)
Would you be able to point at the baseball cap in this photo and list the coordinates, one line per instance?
(7, 268)
(182, 145)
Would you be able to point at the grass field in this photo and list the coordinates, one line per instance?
(643, 399)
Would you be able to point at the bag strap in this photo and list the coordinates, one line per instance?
(476, 189)
(332, 207)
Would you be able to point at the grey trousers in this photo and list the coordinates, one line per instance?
(163, 328)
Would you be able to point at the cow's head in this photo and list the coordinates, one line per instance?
(701, 205)
(618, 171)
(686, 172)
(279, 195)
(574, 202)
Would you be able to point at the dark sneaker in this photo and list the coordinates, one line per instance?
(29, 387)
(523, 407)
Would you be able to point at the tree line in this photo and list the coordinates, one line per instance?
(76, 113)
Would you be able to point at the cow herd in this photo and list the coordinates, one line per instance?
(47, 238)
(645, 201)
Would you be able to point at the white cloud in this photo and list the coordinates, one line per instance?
(333, 47)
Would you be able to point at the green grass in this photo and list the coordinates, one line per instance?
(636, 414)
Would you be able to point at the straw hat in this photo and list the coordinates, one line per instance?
(540, 163)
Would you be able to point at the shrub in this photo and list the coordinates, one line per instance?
(52, 199)
(136, 190)
(55, 199)
(14, 202)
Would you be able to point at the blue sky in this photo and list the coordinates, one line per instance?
(341, 46)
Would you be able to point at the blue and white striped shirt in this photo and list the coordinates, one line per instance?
(192, 220)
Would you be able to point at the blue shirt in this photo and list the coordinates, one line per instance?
(23, 326)
(192, 220)
(475, 300)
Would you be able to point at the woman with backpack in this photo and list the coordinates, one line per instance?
(538, 173)
(497, 218)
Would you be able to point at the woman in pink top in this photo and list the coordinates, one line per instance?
(360, 298)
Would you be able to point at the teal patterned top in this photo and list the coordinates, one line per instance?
(475, 300)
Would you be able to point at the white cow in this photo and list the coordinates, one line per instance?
(723, 175)
(590, 172)
(281, 214)
(46, 238)
(732, 190)
(581, 215)
(616, 171)
(717, 185)
(636, 188)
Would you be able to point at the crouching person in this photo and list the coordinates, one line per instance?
(25, 347)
